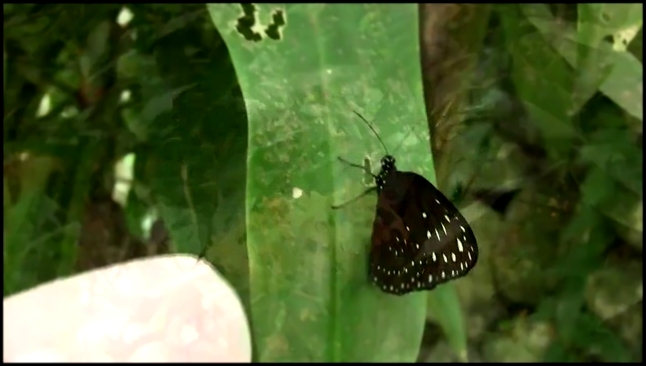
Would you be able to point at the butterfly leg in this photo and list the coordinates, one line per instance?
(356, 166)
(366, 192)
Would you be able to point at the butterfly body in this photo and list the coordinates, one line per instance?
(419, 239)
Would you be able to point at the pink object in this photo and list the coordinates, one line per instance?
(170, 308)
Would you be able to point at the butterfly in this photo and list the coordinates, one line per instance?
(419, 238)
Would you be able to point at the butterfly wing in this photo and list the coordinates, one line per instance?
(448, 247)
(420, 239)
(390, 247)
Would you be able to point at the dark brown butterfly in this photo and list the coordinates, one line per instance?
(419, 238)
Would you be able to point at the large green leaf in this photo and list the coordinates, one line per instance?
(195, 158)
(444, 306)
(311, 300)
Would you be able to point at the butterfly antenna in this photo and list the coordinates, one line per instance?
(373, 130)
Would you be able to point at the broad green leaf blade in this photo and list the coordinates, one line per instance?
(194, 161)
(444, 308)
(311, 300)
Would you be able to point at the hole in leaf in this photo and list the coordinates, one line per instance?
(250, 28)
(278, 21)
(246, 23)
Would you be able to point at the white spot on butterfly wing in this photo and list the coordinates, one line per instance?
(443, 228)
(423, 214)
(453, 257)
(445, 259)
(447, 218)
(460, 247)
(428, 234)
(430, 278)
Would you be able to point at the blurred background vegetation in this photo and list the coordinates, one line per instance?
(125, 136)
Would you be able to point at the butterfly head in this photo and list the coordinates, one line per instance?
(387, 167)
(388, 163)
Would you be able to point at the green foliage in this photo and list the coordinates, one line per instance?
(600, 134)
(236, 114)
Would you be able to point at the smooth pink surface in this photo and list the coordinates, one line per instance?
(164, 309)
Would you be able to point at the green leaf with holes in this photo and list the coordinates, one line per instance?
(303, 70)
